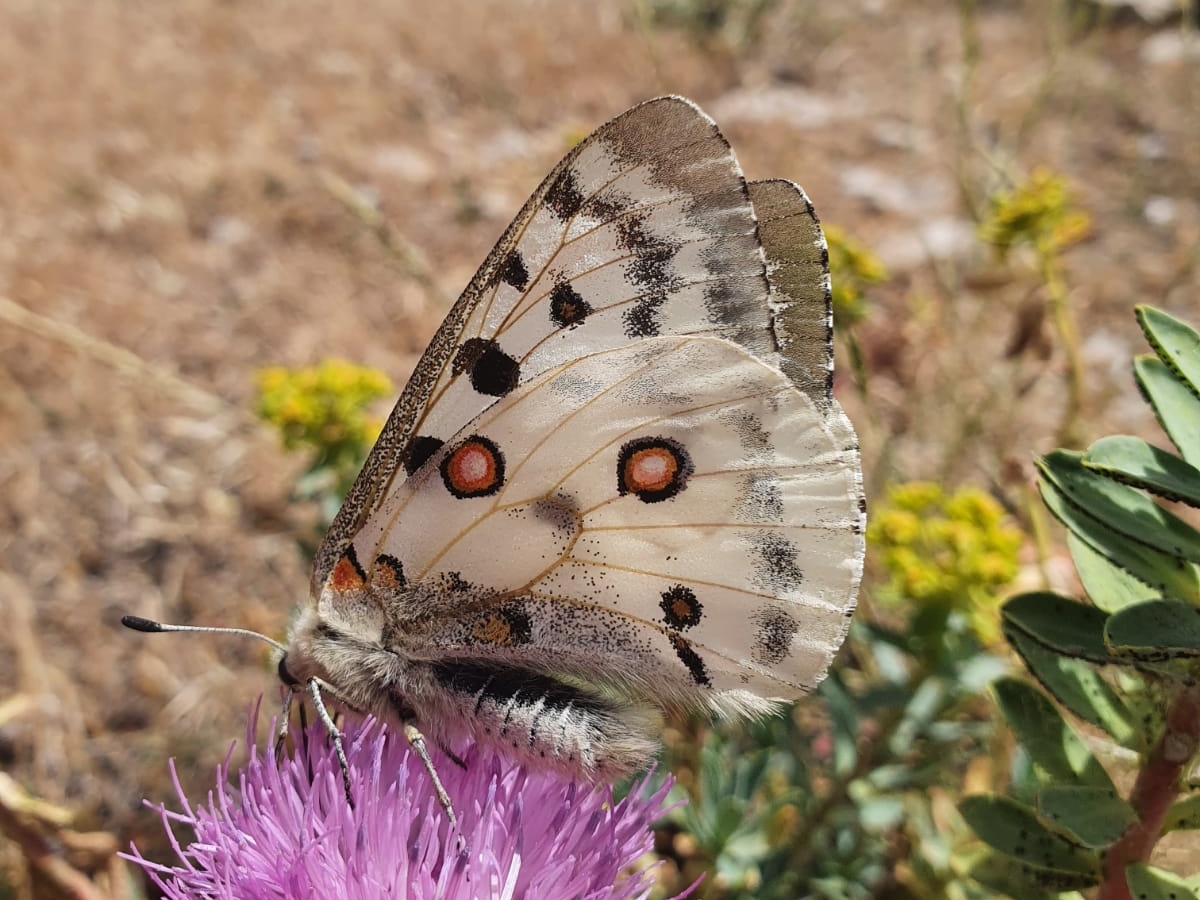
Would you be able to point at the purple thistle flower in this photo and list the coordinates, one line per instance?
(289, 833)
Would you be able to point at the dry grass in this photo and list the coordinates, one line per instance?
(170, 220)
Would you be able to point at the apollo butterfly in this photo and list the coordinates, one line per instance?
(617, 483)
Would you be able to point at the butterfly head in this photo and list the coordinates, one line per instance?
(340, 639)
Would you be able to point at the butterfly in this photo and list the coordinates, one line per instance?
(617, 483)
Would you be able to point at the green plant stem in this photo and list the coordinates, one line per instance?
(1064, 324)
(1156, 788)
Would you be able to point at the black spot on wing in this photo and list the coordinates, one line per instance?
(606, 206)
(493, 372)
(774, 630)
(776, 562)
(567, 307)
(641, 320)
(760, 500)
(513, 271)
(691, 659)
(680, 607)
(565, 198)
(650, 271)
(419, 451)
(652, 253)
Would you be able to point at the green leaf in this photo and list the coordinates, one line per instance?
(1184, 815)
(1013, 829)
(1078, 687)
(1122, 508)
(1132, 461)
(1108, 586)
(1177, 408)
(1058, 623)
(1155, 631)
(1006, 875)
(1148, 883)
(1161, 571)
(1050, 742)
(1091, 817)
(1176, 343)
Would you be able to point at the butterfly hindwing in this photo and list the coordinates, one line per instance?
(645, 525)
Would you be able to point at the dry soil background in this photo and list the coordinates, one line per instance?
(174, 185)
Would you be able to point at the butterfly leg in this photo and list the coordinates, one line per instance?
(285, 718)
(417, 740)
(314, 690)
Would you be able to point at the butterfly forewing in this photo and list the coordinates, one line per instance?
(645, 228)
(619, 466)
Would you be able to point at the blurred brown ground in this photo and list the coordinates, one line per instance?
(168, 186)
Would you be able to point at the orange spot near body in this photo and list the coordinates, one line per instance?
(387, 574)
(651, 469)
(494, 630)
(346, 575)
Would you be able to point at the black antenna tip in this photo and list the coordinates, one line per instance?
(137, 623)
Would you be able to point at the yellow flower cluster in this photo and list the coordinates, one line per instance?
(853, 268)
(956, 551)
(323, 406)
(1038, 212)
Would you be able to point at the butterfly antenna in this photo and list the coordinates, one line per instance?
(149, 626)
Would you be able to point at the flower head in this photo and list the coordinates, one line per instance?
(288, 832)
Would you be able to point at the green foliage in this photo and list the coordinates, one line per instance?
(1126, 664)
(322, 409)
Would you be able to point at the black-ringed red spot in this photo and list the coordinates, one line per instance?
(653, 468)
(475, 468)
(347, 574)
(680, 607)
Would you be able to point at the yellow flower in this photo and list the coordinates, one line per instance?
(323, 408)
(956, 552)
(1038, 212)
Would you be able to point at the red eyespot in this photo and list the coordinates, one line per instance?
(653, 468)
(475, 468)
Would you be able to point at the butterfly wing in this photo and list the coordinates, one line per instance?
(644, 228)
